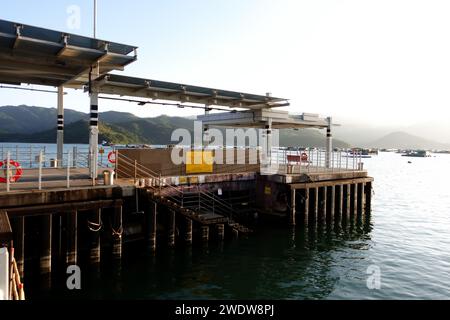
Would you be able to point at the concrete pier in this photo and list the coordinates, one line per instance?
(322, 205)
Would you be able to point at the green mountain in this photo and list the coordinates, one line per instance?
(38, 125)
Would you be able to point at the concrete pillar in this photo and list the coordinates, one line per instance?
(171, 228)
(269, 141)
(93, 134)
(19, 244)
(95, 245)
(332, 205)
(72, 238)
(355, 200)
(322, 204)
(339, 202)
(293, 208)
(46, 244)
(329, 145)
(306, 208)
(360, 199)
(151, 226)
(205, 234)
(347, 202)
(60, 128)
(220, 232)
(368, 191)
(188, 231)
(316, 205)
(117, 233)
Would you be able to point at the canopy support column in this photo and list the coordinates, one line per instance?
(93, 134)
(329, 146)
(60, 132)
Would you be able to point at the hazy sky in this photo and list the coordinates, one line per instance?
(384, 61)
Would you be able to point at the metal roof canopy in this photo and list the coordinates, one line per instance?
(260, 118)
(161, 90)
(41, 56)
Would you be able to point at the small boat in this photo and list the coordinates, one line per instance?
(417, 154)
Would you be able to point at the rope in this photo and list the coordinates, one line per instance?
(116, 233)
(95, 227)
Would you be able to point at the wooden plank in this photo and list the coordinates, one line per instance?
(63, 207)
(5, 228)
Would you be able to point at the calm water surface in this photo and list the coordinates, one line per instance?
(409, 240)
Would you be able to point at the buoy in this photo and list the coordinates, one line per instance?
(17, 175)
(112, 157)
(304, 157)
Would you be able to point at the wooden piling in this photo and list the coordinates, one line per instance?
(171, 228)
(117, 232)
(188, 231)
(220, 228)
(46, 244)
(95, 228)
(72, 238)
(293, 205)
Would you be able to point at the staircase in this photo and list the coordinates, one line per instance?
(199, 205)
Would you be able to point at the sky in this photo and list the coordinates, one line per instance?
(384, 62)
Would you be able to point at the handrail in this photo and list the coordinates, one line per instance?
(206, 200)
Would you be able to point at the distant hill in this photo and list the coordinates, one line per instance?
(37, 124)
(403, 140)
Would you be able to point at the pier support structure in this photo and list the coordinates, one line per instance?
(188, 231)
(95, 226)
(151, 226)
(72, 238)
(46, 245)
(19, 244)
(293, 208)
(171, 228)
(117, 233)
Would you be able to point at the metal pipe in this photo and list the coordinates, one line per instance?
(8, 178)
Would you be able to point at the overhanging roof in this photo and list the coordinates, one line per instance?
(41, 56)
(259, 118)
(161, 90)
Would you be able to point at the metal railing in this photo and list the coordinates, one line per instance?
(188, 197)
(315, 160)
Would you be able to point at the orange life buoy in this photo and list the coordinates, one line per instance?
(112, 157)
(304, 157)
(17, 175)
